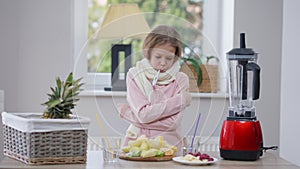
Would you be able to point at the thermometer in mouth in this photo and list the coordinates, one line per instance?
(155, 79)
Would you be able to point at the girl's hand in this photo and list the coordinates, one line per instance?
(122, 109)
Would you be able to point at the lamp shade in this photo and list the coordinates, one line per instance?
(123, 21)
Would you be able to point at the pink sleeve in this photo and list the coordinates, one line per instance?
(161, 125)
(183, 82)
(146, 112)
(178, 102)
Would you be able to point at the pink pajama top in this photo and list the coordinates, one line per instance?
(162, 116)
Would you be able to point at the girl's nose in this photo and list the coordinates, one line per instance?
(163, 62)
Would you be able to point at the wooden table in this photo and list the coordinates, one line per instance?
(94, 161)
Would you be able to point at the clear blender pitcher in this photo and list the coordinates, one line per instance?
(241, 135)
(244, 81)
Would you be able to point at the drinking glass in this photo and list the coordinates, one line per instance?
(186, 144)
(111, 148)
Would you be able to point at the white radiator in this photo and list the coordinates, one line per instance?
(208, 144)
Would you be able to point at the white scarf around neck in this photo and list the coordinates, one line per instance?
(144, 73)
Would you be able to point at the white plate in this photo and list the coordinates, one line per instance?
(183, 161)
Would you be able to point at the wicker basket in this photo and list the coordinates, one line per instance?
(28, 140)
(210, 75)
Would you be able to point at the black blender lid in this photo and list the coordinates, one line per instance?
(242, 50)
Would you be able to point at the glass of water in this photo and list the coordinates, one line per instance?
(187, 146)
(111, 148)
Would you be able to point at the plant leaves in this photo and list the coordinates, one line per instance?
(62, 99)
(53, 103)
(58, 83)
(197, 68)
(208, 58)
(70, 78)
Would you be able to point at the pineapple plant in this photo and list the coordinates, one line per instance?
(62, 99)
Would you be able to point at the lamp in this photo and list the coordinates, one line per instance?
(122, 21)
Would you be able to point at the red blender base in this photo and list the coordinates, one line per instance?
(241, 140)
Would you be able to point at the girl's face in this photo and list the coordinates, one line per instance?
(162, 57)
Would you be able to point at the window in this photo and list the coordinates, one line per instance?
(176, 13)
(199, 23)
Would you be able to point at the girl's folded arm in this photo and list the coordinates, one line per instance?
(147, 112)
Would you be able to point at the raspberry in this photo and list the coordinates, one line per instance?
(204, 156)
(198, 154)
(210, 159)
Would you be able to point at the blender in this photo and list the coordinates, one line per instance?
(241, 134)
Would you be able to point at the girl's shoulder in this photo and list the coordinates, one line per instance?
(181, 76)
(131, 72)
(182, 79)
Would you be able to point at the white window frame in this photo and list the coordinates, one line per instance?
(221, 36)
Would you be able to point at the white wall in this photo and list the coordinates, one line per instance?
(8, 58)
(9, 45)
(261, 20)
(211, 24)
(290, 82)
(35, 47)
(1, 133)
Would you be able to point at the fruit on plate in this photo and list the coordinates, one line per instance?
(197, 156)
(145, 147)
(149, 153)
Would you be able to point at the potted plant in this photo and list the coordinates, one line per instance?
(55, 136)
(203, 76)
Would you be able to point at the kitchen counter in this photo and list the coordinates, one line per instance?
(94, 161)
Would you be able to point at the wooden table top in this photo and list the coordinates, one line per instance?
(94, 161)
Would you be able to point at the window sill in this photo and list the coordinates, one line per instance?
(102, 93)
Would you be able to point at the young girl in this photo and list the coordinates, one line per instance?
(155, 105)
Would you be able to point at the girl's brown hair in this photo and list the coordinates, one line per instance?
(162, 35)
